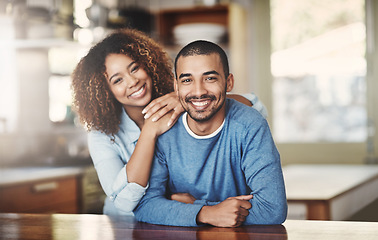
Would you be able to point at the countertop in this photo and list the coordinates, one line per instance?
(325, 181)
(329, 191)
(90, 226)
(11, 176)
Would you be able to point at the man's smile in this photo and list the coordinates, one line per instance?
(200, 103)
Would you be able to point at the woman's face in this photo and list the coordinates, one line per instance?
(128, 81)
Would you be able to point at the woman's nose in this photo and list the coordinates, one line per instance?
(132, 81)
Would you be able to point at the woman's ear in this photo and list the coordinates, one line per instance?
(230, 82)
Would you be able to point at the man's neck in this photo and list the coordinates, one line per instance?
(207, 127)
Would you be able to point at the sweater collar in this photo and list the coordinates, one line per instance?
(191, 133)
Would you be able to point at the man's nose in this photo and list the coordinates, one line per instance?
(199, 88)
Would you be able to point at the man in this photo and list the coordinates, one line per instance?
(220, 152)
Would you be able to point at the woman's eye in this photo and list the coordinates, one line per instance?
(135, 68)
(117, 80)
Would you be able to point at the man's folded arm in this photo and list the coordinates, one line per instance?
(263, 174)
(155, 208)
(262, 169)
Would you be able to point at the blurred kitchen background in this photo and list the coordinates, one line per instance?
(312, 63)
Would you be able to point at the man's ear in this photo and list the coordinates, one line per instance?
(175, 85)
(230, 82)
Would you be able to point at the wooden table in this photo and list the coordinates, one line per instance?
(329, 192)
(102, 227)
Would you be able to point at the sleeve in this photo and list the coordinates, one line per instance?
(257, 104)
(155, 208)
(263, 174)
(262, 169)
(111, 171)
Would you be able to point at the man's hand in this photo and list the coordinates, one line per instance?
(229, 213)
(183, 197)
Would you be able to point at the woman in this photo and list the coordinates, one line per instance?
(123, 93)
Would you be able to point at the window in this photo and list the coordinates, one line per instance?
(62, 62)
(319, 70)
(8, 79)
(340, 104)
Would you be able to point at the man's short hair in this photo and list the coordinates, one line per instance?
(202, 47)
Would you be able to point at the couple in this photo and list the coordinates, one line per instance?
(217, 165)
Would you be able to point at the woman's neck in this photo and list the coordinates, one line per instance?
(135, 113)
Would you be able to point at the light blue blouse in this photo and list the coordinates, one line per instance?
(110, 159)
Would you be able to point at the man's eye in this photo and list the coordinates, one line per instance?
(186, 80)
(211, 78)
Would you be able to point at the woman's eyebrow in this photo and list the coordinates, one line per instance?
(116, 74)
(113, 76)
(129, 66)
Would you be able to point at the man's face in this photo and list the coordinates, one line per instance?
(201, 86)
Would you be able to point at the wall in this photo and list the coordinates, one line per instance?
(35, 138)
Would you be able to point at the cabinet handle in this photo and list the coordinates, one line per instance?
(44, 187)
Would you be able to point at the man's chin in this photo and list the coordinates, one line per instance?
(199, 116)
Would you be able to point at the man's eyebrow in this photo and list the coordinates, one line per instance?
(211, 72)
(182, 75)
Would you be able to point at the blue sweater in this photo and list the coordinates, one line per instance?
(240, 159)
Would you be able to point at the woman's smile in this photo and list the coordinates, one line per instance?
(139, 93)
(129, 82)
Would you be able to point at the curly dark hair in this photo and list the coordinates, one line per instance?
(95, 104)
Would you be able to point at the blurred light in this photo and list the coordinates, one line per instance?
(81, 18)
(84, 36)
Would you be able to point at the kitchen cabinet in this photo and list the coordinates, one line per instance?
(67, 189)
(168, 19)
(233, 16)
(92, 195)
(46, 196)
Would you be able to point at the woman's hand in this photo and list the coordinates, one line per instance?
(161, 106)
(183, 197)
(160, 126)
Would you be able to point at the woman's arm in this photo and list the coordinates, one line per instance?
(110, 159)
(241, 99)
(139, 165)
(123, 169)
(160, 106)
